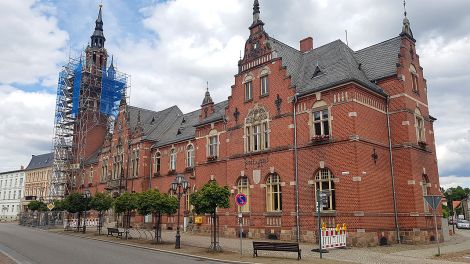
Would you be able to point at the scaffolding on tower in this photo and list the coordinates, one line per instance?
(87, 98)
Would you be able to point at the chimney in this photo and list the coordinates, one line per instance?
(22, 167)
(306, 45)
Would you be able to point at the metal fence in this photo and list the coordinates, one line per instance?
(51, 219)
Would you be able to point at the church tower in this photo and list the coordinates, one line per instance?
(91, 123)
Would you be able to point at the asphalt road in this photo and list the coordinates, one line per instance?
(30, 246)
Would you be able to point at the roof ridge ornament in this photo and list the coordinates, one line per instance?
(406, 30)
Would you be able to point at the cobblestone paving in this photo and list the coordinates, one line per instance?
(356, 255)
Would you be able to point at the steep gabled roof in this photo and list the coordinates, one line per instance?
(335, 63)
(154, 124)
(41, 161)
(380, 60)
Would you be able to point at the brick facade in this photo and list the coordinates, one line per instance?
(355, 147)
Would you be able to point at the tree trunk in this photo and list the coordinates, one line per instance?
(100, 222)
(158, 229)
(78, 223)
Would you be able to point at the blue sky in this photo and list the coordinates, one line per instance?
(172, 48)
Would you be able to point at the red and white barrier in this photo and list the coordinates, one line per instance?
(332, 239)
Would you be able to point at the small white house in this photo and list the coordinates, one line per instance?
(11, 191)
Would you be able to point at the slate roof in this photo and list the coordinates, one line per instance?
(154, 124)
(219, 113)
(41, 161)
(380, 60)
(335, 63)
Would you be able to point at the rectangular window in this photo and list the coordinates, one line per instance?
(19, 194)
(248, 139)
(257, 138)
(266, 135)
(21, 181)
(248, 91)
(321, 125)
(264, 85)
(213, 146)
(244, 187)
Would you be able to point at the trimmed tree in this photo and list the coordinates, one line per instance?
(37, 206)
(126, 203)
(206, 201)
(76, 203)
(155, 203)
(101, 202)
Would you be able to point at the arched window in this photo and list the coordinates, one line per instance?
(425, 187)
(243, 186)
(157, 163)
(324, 183)
(190, 156)
(320, 121)
(173, 159)
(419, 124)
(414, 78)
(257, 130)
(273, 193)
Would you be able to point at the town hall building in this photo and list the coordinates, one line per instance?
(297, 121)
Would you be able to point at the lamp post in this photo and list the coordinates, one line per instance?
(86, 195)
(180, 186)
(39, 212)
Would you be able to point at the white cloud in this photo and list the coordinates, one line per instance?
(454, 181)
(32, 44)
(26, 122)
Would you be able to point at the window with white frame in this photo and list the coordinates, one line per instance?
(157, 163)
(135, 162)
(190, 156)
(243, 186)
(419, 123)
(173, 159)
(213, 144)
(264, 85)
(321, 123)
(273, 193)
(257, 130)
(324, 183)
(248, 90)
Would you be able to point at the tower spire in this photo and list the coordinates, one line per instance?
(207, 98)
(406, 29)
(98, 39)
(256, 15)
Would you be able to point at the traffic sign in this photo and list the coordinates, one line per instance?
(241, 199)
(50, 206)
(433, 200)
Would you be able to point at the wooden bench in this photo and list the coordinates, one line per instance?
(112, 230)
(270, 246)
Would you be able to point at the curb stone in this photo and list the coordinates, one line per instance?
(159, 250)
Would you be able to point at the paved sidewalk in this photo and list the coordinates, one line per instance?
(199, 244)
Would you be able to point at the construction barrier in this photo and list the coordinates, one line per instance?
(333, 238)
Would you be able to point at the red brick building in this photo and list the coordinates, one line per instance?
(355, 123)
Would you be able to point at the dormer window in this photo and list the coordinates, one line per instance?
(317, 72)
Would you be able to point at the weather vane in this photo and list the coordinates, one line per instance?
(404, 6)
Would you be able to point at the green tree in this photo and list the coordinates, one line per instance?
(37, 206)
(101, 202)
(207, 200)
(76, 203)
(59, 205)
(126, 203)
(155, 203)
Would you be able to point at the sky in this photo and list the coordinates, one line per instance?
(172, 48)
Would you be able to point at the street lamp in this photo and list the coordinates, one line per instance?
(39, 212)
(180, 186)
(86, 195)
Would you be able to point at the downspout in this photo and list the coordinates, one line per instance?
(296, 168)
(392, 172)
(150, 170)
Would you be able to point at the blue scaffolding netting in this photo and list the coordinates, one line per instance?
(76, 88)
(113, 89)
